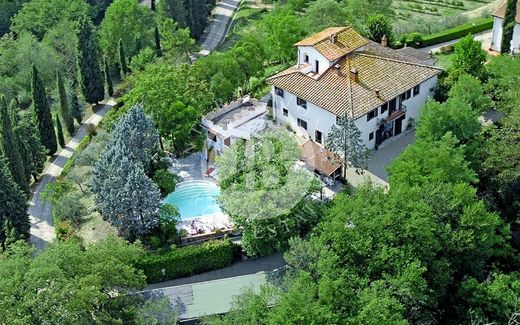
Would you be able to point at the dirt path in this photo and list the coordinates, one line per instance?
(42, 227)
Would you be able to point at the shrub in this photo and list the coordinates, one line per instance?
(69, 208)
(186, 261)
(65, 231)
(81, 146)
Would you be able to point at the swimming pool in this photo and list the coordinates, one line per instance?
(195, 199)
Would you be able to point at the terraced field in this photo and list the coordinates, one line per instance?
(427, 9)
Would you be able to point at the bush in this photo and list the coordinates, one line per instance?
(186, 261)
(65, 231)
(457, 32)
(81, 146)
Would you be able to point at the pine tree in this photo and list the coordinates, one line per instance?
(122, 60)
(110, 87)
(508, 26)
(31, 149)
(89, 67)
(345, 139)
(59, 132)
(128, 199)
(10, 148)
(65, 112)
(157, 41)
(75, 107)
(139, 134)
(43, 113)
(14, 205)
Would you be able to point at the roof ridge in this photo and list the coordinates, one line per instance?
(395, 60)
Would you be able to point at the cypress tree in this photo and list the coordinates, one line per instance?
(11, 149)
(65, 112)
(14, 205)
(30, 146)
(157, 41)
(75, 107)
(110, 87)
(59, 131)
(89, 67)
(508, 26)
(122, 60)
(152, 5)
(176, 10)
(43, 113)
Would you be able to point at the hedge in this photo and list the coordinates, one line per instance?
(473, 27)
(186, 261)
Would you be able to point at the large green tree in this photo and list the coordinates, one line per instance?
(43, 113)
(377, 27)
(65, 113)
(11, 147)
(129, 21)
(38, 16)
(324, 13)
(14, 205)
(70, 284)
(469, 57)
(89, 65)
(8, 8)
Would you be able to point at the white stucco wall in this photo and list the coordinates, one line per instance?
(313, 55)
(316, 118)
(322, 120)
(496, 39)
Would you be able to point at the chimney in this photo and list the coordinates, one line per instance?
(378, 94)
(354, 75)
(332, 38)
(384, 41)
(338, 69)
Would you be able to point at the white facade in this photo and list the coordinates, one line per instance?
(286, 111)
(496, 40)
(309, 55)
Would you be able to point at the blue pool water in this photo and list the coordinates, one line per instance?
(195, 198)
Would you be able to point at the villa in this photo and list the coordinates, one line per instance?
(496, 40)
(237, 120)
(341, 74)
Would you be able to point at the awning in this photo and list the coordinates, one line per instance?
(319, 158)
(395, 115)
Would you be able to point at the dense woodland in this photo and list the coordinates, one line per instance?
(439, 246)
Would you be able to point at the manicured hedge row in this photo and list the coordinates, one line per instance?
(188, 260)
(457, 32)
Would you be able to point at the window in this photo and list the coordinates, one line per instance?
(317, 66)
(416, 90)
(407, 94)
(306, 58)
(371, 136)
(384, 107)
(302, 124)
(301, 102)
(278, 91)
(392, 106)
(372, 114)
(285, 112)
(319, 137)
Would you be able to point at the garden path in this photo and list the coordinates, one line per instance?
(42, 228)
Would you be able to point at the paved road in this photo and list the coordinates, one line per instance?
(222, 16)
(42, 228)
(484, 37)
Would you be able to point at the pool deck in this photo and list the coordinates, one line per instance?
(192, 167)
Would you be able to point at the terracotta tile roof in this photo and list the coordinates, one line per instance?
(320, 158)
(335, 91)
(404, 54)
(346, 40)
(501, 11)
